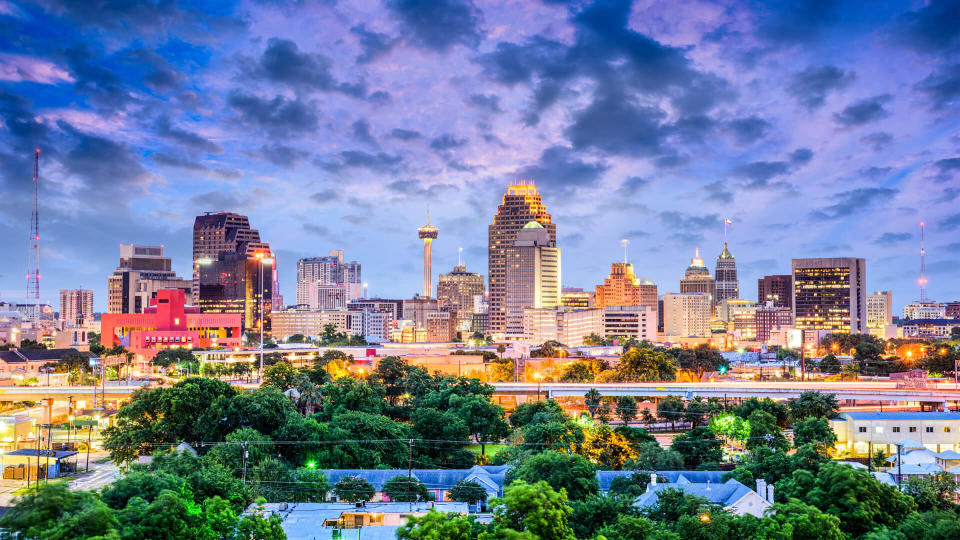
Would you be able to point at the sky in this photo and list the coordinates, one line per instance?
(818, 128)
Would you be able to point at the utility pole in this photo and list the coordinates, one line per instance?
(899, 468)
(409, 471)
(245, 455)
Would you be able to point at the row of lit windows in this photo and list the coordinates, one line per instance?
(896, 429)
(168, 339)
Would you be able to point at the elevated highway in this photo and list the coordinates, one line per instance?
(860, 391)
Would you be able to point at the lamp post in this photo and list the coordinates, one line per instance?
(538, 377)
(264, 260)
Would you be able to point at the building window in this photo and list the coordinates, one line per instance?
(896, 429)
(913, 429)
(946, 429)
(929, 429)
(863, 429)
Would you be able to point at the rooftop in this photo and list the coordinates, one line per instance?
(902, 415)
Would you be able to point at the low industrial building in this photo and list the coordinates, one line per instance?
(863, 433)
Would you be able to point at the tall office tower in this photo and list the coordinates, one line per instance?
(532, 276)
(623, 288)
(215, 232)
(76, 305)
(428, 233)
(879, 309)
(697, 279)
(239, 281)
(329, 271)
(728, 286)
(143, 270)
(830, 294)
(769, 317)
(520, 205)
(687, 314)
(777, 289)
(456, 291)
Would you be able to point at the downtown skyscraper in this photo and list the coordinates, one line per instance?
(728, 286)
(519, 206)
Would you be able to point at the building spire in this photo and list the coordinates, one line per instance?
(624, 242)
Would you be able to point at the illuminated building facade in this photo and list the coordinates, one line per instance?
(623, 288)
(830, 294)
(520, 205)
(576, 298)
(319, 296)
(687, 314)
(441, 326)
(143, 270)
(924, 309)
(697, 279)
(169, 324)
(231, 283)
(532, 276)
(770, 317)
(216, 232)
(310, 323)
(638, 322)
(728, 286)
(565, 325)
(777, 289)
(328, 271)
(76, 305)
(456, 292)
(879, 309)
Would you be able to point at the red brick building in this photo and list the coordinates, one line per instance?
(168, 323)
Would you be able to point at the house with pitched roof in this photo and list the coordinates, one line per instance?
(731, 495)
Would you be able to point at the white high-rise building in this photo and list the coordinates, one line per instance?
(927, 309)
(686, 314)
(879, 309)
(638, 322)
(532, 275)
(566, 325)
(329, 271)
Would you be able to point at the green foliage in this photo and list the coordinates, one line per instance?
(534, 508)
(670, 409)
(141, 484)
(592, 401)
(731, 427)
(55, 512)
(697, 412)
(934, 493)
(282, 375)
(698, 446)
(576, 372)
(626, 408)
(646, 365)
(632, 485)
(569, 472)
(764, 431)
(353, 489)
(403, 489)
(814, 404)
(547, 409)
(830, 364)
(597, 511)
(468, 491)
(701, 359)
(171, 357)
(257, 526)
(651, 456)
(635, 436)
(780, 412)
(607, 448)
(795, 520)
(935, 525)
(814, 430)
(437, 525)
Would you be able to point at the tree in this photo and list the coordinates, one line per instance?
(607, 448)
(484, 419)
(701, 359)
(862, 503)
(543, 410)
(934, 493)
(795, 520)
(697, 412)
(780, 412)
(255, 525)
(632, 485)
(533, 508)
(626, 408)
(468, 491)
(816, 431)
(403, 489)
(603, 413)
(592, 400)
(281, 375)
(141, 484)
(55, 512)
(569, 472)
(645, 365)
(391, 371)
(698, 446)
(436, 525)
(166, 358)
(652, 457)
(353, 489)
(670, 409)
(765, 432)
(170, 515)
(576, 372)
(594, 512)
(730, 427)
(815, 404)
(830, 364)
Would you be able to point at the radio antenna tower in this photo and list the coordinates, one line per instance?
(33, 264)
(922, 281)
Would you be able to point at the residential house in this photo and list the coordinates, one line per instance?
(731, 495)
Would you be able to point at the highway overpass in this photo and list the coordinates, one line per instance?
(860, 391)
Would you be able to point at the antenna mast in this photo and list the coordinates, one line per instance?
(624, 243)
(923, 266)
(33, 265)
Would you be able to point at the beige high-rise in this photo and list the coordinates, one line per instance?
(532, 277)
(520, 205)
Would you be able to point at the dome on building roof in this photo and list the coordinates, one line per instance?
(533, 225)
(725, 254)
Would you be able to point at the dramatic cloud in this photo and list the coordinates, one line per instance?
(279, 116)
(863, 112)
(439, 24)
(748, 130)
(930, 29)
(617, 126)
(447, 141)
(374, 44)
(560, 170)
(405, 134)
(893, 238)
(490, 102)
(942, 87)
(947, 168)
(379, 161)
(282, 155)
(856, 200)
(17, 68)
(282, 62)
(878, 141)
(165, 129)
(811, 86)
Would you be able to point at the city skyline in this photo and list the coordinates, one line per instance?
(145, 120)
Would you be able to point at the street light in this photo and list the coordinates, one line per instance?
(538, 377)
(264, 261)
